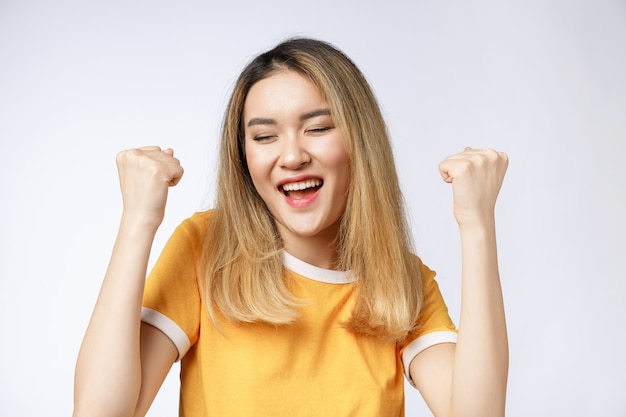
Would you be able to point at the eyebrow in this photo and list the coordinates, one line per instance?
(267, 121)
(315, 113)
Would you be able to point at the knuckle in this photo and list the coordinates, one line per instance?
(492, 153)
(120, 155)
(477, 160)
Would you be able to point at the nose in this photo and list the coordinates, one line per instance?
(293, 154)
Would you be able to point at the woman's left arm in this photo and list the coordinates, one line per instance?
(470, 379)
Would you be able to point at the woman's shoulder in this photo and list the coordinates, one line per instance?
(419, 264)
(200, 218)
(197, 224)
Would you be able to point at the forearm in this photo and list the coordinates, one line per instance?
(481, 357)
(108, 370)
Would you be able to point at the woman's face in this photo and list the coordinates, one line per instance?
(297, 159)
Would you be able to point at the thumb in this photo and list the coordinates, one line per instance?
(444, 170)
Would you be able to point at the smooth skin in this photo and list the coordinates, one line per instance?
(291, 138)
(123, 362)
(469, 378)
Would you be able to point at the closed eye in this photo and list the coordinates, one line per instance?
(319, 130)
(263, 138)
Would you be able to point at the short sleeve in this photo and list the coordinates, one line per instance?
(434, 323)
(172, 299)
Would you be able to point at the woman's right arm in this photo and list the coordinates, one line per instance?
(122, 362)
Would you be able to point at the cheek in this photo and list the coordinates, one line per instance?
(258, 167)
(345, 172)
(337, 158)
(252, 160)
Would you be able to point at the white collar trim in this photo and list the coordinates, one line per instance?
(316, 273)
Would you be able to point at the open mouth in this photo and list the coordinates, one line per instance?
(302, 189)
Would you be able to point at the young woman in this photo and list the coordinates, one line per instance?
(298, 295)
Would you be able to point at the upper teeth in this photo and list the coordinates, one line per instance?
(296, 186)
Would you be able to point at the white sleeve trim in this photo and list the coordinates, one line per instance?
(169, 328)
(421, 343)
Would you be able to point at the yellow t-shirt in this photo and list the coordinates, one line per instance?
(313, 367)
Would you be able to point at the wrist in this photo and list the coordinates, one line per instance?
(477, 223)
(136, 225)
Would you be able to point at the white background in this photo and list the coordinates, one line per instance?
(543, 80)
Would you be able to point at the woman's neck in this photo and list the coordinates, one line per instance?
(319, 250)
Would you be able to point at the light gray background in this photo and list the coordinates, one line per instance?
(543, 80)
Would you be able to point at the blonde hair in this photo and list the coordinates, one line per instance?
(243, 264)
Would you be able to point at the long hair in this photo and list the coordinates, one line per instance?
(243, 264)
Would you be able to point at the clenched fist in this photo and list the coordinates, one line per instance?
(476, 176)
(145, 176)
